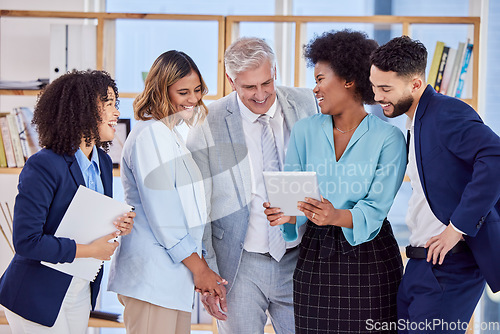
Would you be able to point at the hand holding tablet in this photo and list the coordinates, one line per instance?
(286, 189)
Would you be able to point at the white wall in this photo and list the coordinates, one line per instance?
(8, 184)
(24, 43)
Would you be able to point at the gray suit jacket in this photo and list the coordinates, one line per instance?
(218, 146)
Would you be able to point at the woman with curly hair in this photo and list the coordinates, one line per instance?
(349, 266)
(74, 115)
(160, 264)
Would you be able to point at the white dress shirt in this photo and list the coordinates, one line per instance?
(256, 239)
(420, 219)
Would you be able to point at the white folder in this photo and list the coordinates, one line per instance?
(89, 216)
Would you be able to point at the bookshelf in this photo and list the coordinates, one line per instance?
(228, 30)
(105, 23)
(407, 22)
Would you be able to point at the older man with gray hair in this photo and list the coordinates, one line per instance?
(246, 133)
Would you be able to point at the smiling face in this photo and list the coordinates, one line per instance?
(109, 116)
(185, 94)
(256, 87)
(392, 92)
(330, 89)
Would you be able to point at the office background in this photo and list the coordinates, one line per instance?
(24, 55)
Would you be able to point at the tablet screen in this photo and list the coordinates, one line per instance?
(286, 189)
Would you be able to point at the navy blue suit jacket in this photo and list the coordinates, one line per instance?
(46, 187)
(458, 161)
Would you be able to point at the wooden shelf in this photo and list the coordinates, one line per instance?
(13, 170)
(104, 20)
(22, 92)
(35, 92)
(407, 22)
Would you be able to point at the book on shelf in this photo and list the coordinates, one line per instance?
(3, 158)
(21, 134)
(21, 129)
(442, 64)
(450, 91)
(463, 70)
(16, 140)
(436, 61)
(467, 92)
(7, 141)
(452, 52)
(24, 117)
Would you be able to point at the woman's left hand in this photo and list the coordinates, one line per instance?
(125, 223)
(321, 213)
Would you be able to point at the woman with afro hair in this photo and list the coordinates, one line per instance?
(74, 115)
(349, 266)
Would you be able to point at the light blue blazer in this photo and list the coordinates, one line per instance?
(364, 180)
(163, 183)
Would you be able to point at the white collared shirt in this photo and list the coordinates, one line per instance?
(256, 239)
(420, 219)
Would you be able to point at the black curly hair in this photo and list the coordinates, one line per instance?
(348, 54)
(402, 55)
(67, 110)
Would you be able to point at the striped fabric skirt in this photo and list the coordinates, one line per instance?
(339, 288)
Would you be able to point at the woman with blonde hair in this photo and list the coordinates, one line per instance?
(159, 265)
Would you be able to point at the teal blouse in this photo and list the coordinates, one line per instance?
(364, 180)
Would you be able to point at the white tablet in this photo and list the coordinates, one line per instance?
(286, 189)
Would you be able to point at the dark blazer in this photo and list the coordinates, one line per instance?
(458, 161)
(46, 187)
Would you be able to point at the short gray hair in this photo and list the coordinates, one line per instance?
(247, 53)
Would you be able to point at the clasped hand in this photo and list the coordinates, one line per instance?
(212, 296)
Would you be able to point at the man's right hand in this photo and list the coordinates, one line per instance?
(275, 216)
(211, 304)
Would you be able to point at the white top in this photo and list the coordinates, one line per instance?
(162, 181)
(420, 219)
(256, 239)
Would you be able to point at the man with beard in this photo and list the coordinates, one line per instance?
(453, 213)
